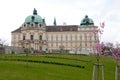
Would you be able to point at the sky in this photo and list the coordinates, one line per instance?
(71, 12)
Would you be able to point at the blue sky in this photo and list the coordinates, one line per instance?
(14, 12)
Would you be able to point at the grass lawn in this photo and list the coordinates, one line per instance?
(52, 67)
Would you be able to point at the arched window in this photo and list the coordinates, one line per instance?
(31, 37)
(40, 37)
(24, 37)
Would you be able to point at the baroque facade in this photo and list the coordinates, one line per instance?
(36, 36)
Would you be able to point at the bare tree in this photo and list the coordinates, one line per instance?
(107, 48)
(3, 42)
(108, 44)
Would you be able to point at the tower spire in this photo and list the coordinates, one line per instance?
(54, 22)
(44, 21)
(34, 12)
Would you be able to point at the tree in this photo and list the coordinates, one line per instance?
(97, 49)
(107, 48)
(116, 53)
(3, 42)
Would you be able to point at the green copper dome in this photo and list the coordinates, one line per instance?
(34, 18)
(87, 21)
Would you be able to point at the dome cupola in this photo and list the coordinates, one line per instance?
(34, 18)
(87, 21)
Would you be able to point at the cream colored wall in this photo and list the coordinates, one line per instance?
(67, 39)
(15, 39)
(36, 34)
(71, 40)
(36, 42)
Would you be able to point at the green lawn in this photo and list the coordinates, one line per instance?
(52, 67)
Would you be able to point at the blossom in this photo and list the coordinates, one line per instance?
(97, 48)
(102, 25)
(116, 52)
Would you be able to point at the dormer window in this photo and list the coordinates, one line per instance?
(40, 25)
(24, 25)
(31, 25)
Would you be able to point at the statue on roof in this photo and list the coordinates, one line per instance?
(34, 12)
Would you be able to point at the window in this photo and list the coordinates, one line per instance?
(24, 25)
(80, 44)
(80, 37)
(85, 44)
(39, 25)
(61, 37)
(52, 38)
(56, 38)
(40, 48)
(19, 36)
(71, 37)
(90, 43)
(31, 37)
(51, 44)
(24, 37)
(40, 37)
(76, 37)
(89, 36)
(95, 36)
(31, 25)
(66, 38)
(14, 36)
(85, 35)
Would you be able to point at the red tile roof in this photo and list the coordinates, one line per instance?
(61, 28)
(58, 28)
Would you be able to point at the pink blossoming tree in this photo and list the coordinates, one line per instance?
(97, 50)
(116, 54)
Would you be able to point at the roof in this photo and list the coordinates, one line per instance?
(86, 21)
(52, 28)
(61, 28)
(34, 18)
(17, 30)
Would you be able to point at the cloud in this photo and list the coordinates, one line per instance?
(14, 12)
